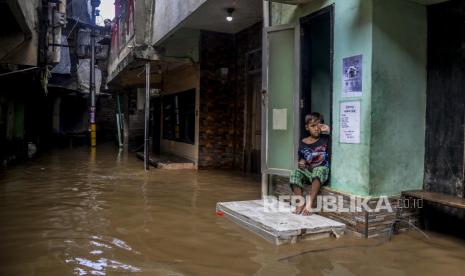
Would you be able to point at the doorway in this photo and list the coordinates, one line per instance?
(316, 51)
(445, 106)
(155, 110)
(253, 111)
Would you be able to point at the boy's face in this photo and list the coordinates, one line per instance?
(314, 128)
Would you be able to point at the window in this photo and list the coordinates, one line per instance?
(179, 117)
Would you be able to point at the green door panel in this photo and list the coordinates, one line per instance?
(280, 108)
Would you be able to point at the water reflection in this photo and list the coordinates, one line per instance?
(71, 213)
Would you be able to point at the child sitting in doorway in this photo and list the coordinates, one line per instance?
(313, 161)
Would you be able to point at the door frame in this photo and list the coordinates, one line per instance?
(265, 118)
(297, 85)
(247, 137)
(306, 19)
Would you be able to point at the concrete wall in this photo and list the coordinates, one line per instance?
(120, 57)
(352, 36)
(283, 13)
(142, 18)
(130, 36)
(184, 44)
(28, 10)
(153, 21)
(398, 97)
(168, 15)
(25, 50)
(181, 79)
(391, 36)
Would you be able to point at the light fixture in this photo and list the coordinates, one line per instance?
(230, 11)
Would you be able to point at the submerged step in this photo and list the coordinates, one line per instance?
(276, 225)
(169, 162)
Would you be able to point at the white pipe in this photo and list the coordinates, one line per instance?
(147, 115)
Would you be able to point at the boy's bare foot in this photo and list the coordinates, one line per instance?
(299, 209)
(306, 212)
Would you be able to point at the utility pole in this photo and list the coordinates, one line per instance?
(92, 109)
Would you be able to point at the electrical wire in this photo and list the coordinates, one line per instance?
(72, 29)
(18, 71)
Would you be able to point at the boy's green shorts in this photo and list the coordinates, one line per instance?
(300, 177)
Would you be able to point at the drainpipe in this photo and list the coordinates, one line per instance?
(93, 126)
(266, 24)
(150, 6)
(119, 121)
(147, 115)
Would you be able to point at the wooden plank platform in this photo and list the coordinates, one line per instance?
(279, 227)
(448, 200)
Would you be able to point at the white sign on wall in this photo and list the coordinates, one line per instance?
(280, 119)
(349, 122)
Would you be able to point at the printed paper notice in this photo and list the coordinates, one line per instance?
(280, 119)
(352, 83)
(350, 122)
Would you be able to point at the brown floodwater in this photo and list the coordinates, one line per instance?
(73, 213)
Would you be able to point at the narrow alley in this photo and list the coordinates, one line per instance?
(232, 137)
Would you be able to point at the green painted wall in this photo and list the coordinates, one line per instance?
(398, 97)
(352, 36)
(391, 36)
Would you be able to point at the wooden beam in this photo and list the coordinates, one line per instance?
(292, 2)
(443, 199)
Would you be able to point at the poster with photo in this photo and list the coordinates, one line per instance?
(349, 122)
(352, 76)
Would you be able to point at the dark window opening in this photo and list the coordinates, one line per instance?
(179, 117)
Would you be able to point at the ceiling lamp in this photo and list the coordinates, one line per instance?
(230, 11)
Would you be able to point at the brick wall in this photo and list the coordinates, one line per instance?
(217, 124)
(221, 118)
(106, 118)
(247, 40)
(363, 224)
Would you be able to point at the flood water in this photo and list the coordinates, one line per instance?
(73, 213)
